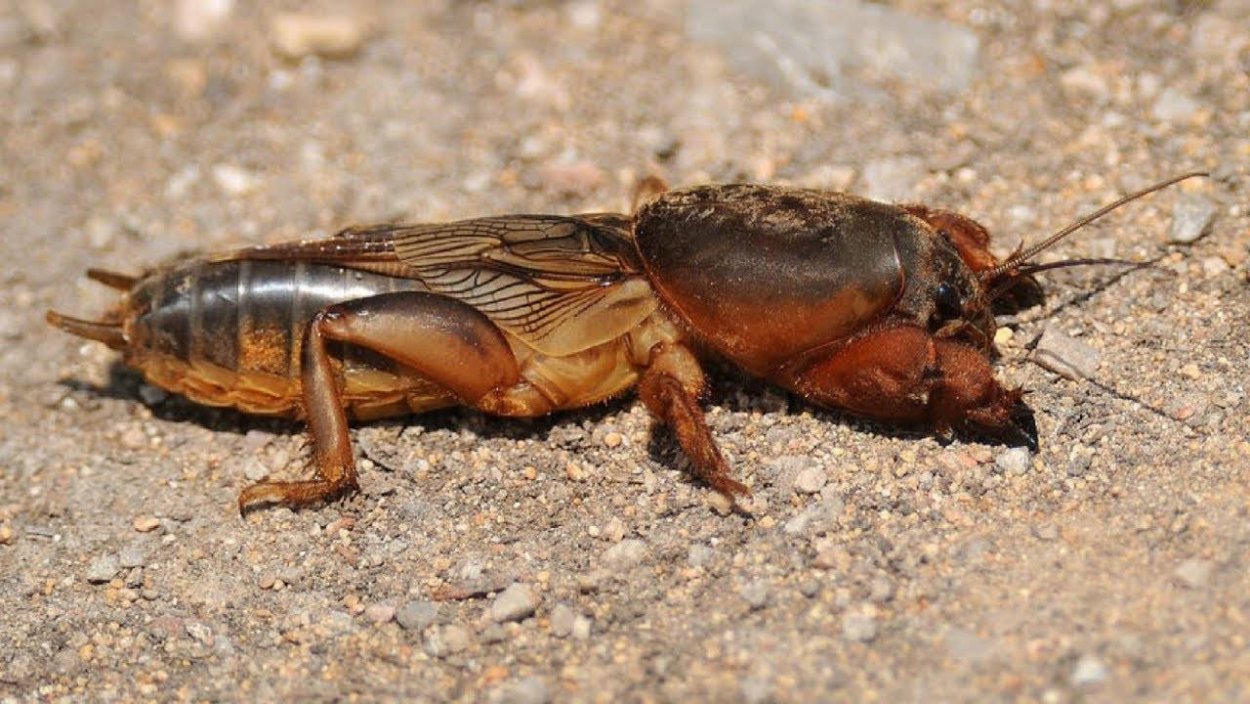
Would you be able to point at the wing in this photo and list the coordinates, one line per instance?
(560, 284)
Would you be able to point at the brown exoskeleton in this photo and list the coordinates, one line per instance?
(881, 310)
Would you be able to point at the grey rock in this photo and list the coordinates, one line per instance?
(860, 628)
(1191, 218)
(1013, 460)
(1089, 670)
(818, 49)
(1066, 356)
(102, 569)
(514, 603)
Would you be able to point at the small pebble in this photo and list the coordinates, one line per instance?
(721, 504)
(200, 632)
(699, 555)
(755, 593)
(810, 480)
(860, 628)
(416, 615)
(254, 469)
(1088, 670)
(581, 628)
(1085, 80)
(448, 640)
(152, 395)
(1066, 356)
(626, 553)
(493, 633)
(380, 613)
(613, 439)
(562, 619)
(614, 531)
(103, 569)
(1214, 266)
(881, 590)
(131, 556)
(527, 690)
(1191, 218)
(235, 180)
(134, 438)
(1194, 573)
(1079, 464)
(1046, 531)
(755, 690)
(1174, 106)
(297, 35)
(515, 603)
(968, 646)
(201, 20)
(1013, 460)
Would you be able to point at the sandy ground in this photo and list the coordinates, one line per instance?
(571, 559)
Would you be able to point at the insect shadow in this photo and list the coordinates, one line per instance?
(730, 390)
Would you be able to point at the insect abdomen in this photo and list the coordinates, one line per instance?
(229, 333)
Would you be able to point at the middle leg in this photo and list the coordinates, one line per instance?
(444, 340)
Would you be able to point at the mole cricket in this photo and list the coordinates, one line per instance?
(884, 311)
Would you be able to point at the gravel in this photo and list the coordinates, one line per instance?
(880, 562)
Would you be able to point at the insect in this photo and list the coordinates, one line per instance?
(881, 310)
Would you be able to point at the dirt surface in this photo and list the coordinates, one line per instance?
(571, 559)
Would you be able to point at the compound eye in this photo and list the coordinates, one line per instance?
(948, 304)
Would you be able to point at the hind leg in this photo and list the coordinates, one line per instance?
(443, 339)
